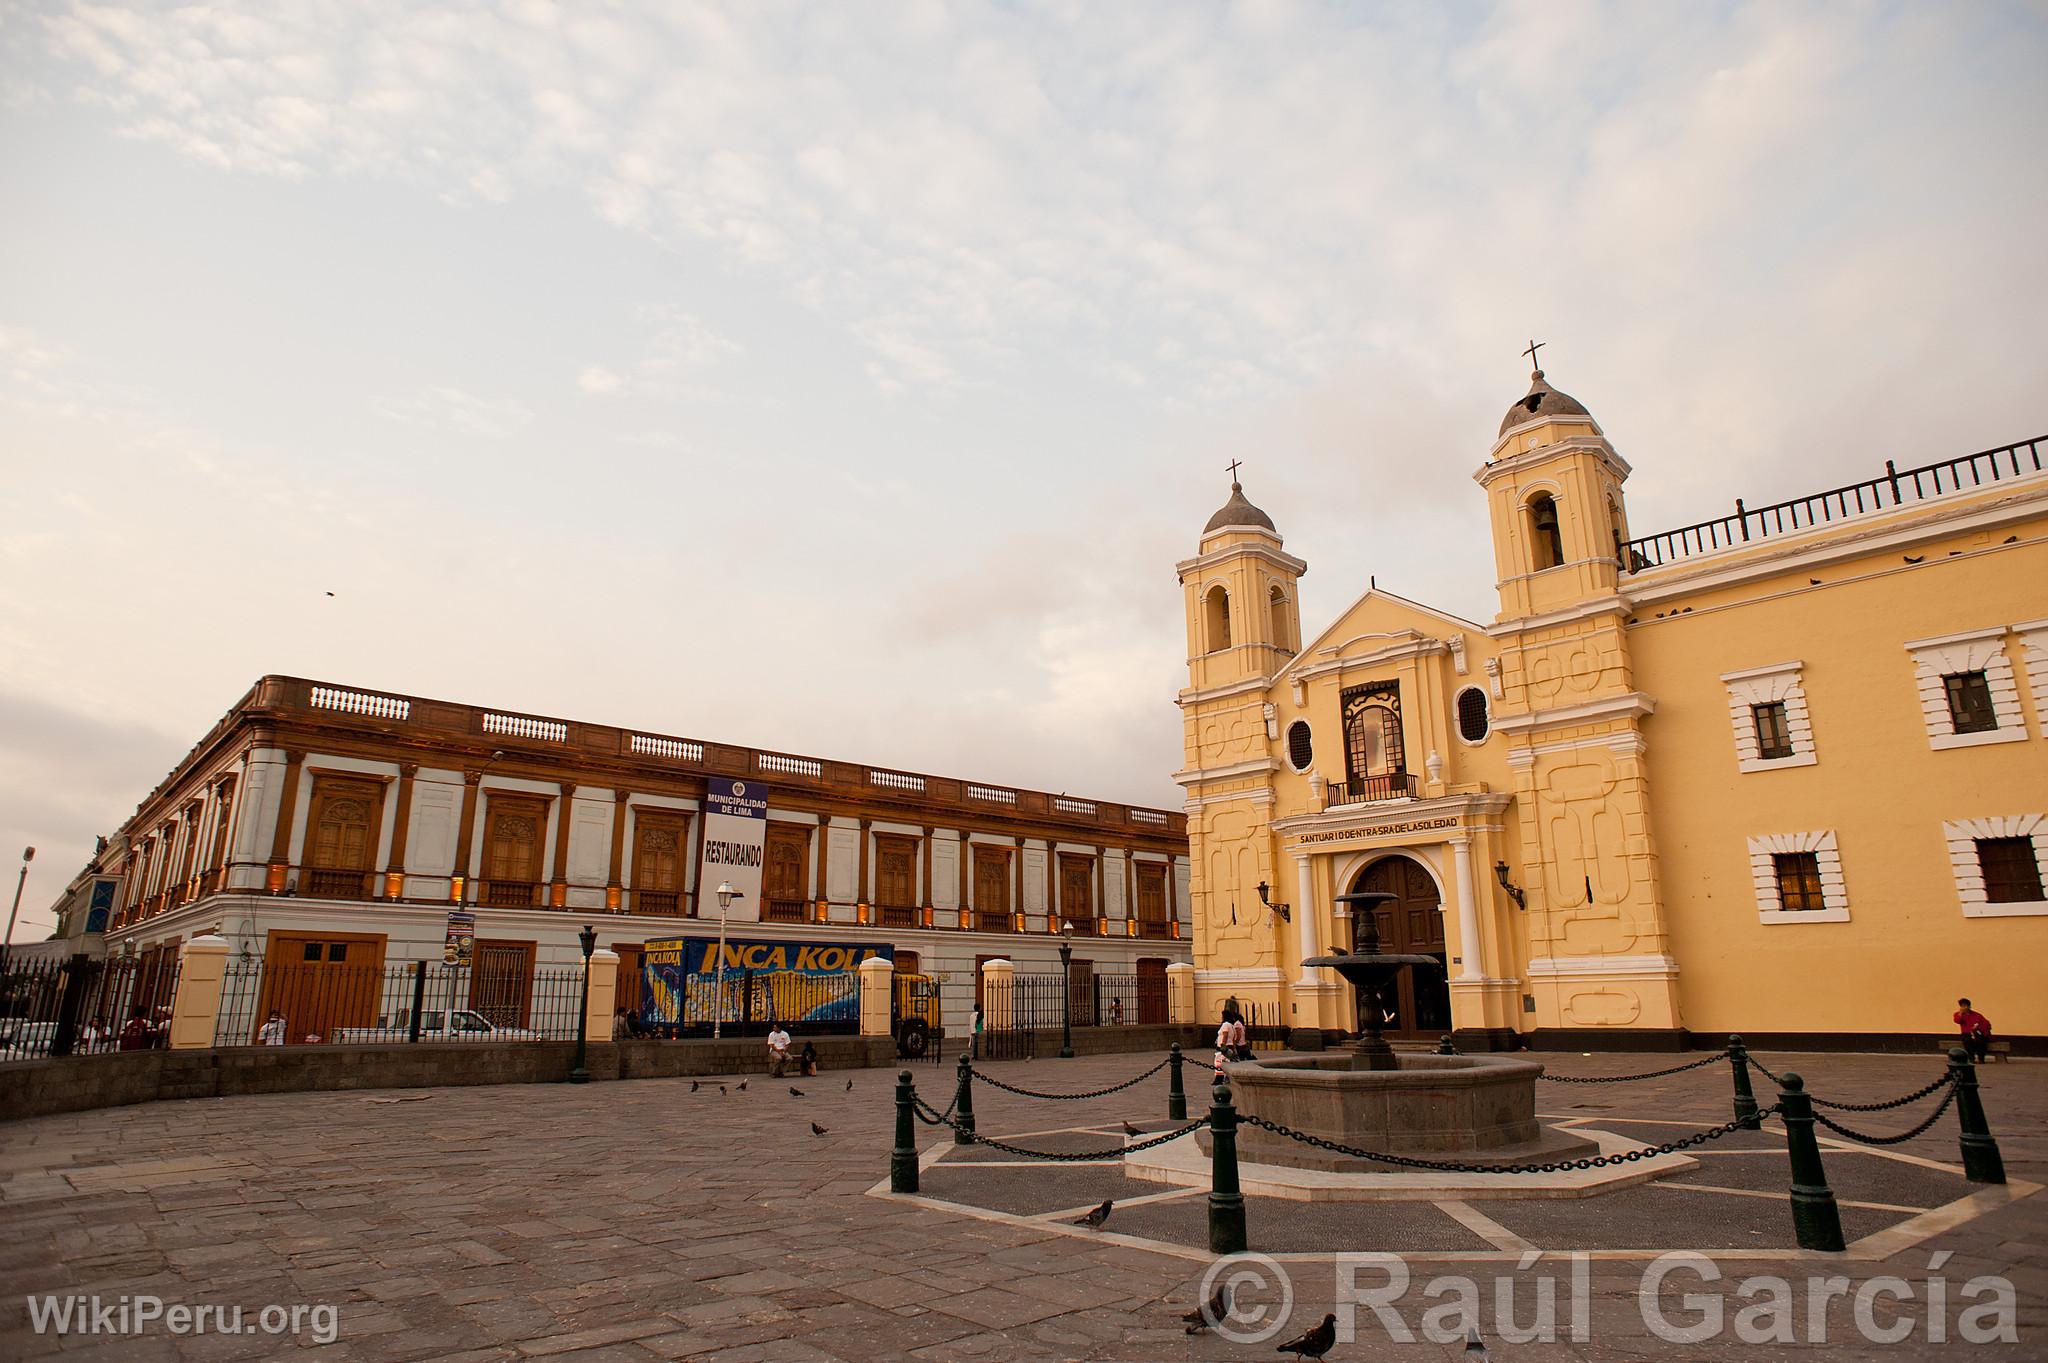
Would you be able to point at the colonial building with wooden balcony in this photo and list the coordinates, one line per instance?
(319, 821)
(1780, 772)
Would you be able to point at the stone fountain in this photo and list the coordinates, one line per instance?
(1481, 1107)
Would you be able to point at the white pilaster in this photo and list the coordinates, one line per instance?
(1305, 916)
(1468, 911)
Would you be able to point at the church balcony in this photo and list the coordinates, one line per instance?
(1360, 790)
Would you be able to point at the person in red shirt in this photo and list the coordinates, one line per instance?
(1976, 1030)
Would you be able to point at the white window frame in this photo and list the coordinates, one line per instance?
(1978, 650)
(2033, 637)
(1962, 835)
(1779, 683)
(1457, 726)
(1763, 873)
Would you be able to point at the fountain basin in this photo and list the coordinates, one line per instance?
(1480, 1107)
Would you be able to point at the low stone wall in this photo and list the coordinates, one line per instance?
(39, 1088)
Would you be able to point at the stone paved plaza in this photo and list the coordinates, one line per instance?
(639, 1220)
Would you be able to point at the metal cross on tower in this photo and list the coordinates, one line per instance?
(1233, 471)
(1534, 346)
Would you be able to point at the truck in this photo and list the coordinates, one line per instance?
(808, 986)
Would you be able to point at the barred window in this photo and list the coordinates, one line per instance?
(1300, 749)
(1472, 715)
(2012, 875)
(1798, 881)
(1969, 703)
(1773, 733)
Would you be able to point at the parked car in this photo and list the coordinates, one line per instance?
(460, 1024)
(23, 1039)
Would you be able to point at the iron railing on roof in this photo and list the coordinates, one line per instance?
(1895, 488)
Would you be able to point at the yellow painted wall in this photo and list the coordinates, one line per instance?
(1907, 952)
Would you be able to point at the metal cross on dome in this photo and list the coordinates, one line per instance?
(1233, 466)
(1534, 346)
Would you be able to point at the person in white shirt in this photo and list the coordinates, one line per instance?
(271, 1033)
(778, 1050)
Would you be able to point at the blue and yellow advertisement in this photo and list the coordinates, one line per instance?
(795, 983)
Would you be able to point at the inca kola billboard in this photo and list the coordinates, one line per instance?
(735, 842)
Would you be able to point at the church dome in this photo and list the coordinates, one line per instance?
(1238, 511)
(1542, 401)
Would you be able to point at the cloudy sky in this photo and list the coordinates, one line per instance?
(847, 379)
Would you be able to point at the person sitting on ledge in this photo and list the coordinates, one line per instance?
(1976, 1030)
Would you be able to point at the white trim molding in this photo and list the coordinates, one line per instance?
(1763, 872)
(1552, 966)
(1962, 835)
(1978, 650)
(1777, 684)
(2033, 636)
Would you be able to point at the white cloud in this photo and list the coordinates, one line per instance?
(597, 379)
(454, 412)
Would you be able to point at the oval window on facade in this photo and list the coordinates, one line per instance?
(1472, 715)
(1300, 751)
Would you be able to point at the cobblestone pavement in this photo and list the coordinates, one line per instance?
(638, 1221)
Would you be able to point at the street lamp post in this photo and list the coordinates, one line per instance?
(28, 854)
(588, 939)
(1066, 990)
(726, 894)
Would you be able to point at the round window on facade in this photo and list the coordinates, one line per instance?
(1300, 752)
(1472, 715)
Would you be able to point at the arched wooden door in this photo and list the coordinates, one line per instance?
(1420, 1000)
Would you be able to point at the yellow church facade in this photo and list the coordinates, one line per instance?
(1783, 772)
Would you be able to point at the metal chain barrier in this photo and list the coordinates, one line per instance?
(1713, 1059)
(1098, 1093)
(1915, 1096)
(1899, 1139)
(1777, 1079)
(1086, 1156)
(1459, 1167)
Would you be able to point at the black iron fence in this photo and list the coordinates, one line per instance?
(1016, 1010)
(1398, 785)
(1897, 487)
(83, 1007)
(312, 1003)
(1119, 1000)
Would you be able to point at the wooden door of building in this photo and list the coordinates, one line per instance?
(785, 881)
(1151, 990)
(342, 827)
(896, 880)
(630, 957)
(1417, 1005)
(1077, 893)
(658, 841)
(501, 982)
(320, 981)
(514, 836)
(991, 888)
(1153, 919)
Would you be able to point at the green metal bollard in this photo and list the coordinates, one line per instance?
(1226, 1203)
(1176, 1096)
(903, 1159)
(1981, 1160)
(1745, 1097)
(1446, 1046)
(1816, 1221)
(963, 1105)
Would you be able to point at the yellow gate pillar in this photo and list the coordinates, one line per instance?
(195, 1011)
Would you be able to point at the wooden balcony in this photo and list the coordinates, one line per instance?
(657, 903)
(1157, 930)
(326, 882)
(784, 911)
(897, 916)
(509, 894)
(993, 920)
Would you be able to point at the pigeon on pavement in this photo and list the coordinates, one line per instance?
(795, 1092)
(1475, 1348)
(694, 1086)
(849, 1086)
(721, 1090)
(1130, 1130)
(1210, 1313)
(742, 1087)
(1315, 1343)
(1098, 1216)
(817, 1130)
